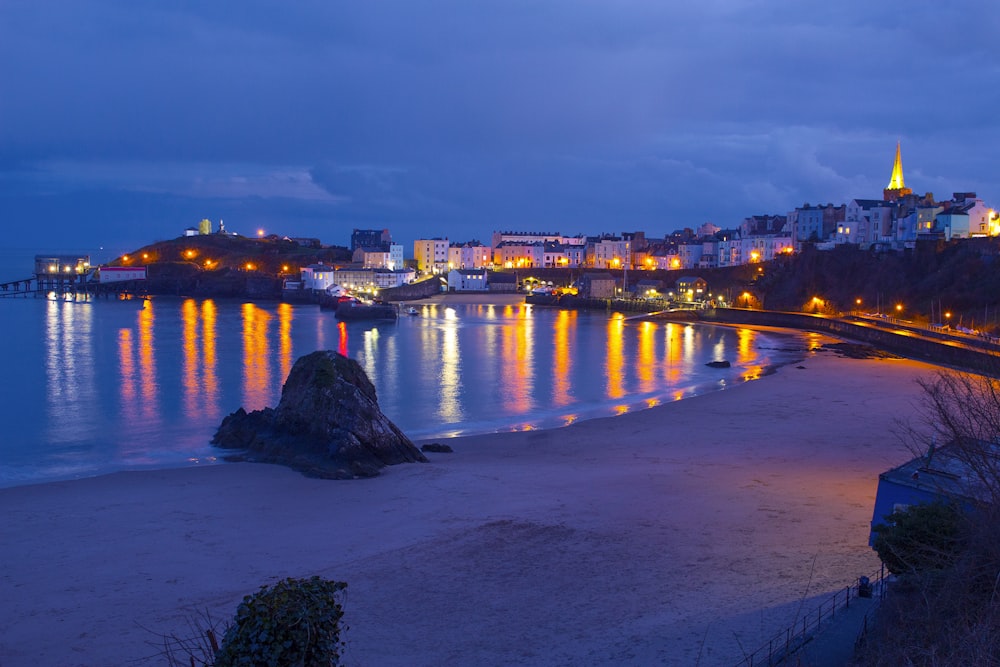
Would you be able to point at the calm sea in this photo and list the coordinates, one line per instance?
(93, 387)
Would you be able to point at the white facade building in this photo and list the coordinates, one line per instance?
(468, 280)
(317, 276)
(117, 274)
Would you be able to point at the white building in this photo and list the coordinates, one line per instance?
(468, 280)
(317, 276)
(369, 280)
(117, 274)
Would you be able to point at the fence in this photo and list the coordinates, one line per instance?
(786, 643)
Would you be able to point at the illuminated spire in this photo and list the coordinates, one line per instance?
(896, 182)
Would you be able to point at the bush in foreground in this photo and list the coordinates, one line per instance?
(293, 622)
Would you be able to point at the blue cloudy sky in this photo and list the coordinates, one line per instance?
(125, 121)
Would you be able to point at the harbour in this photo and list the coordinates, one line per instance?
(119, 385)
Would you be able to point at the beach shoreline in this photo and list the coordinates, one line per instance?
(685, 532)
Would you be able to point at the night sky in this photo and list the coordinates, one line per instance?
(126, 121)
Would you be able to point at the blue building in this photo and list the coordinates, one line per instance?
(938, 475)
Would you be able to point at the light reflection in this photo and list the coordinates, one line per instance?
(69, 369)
(689, 344)
(189, 356)
(126, 370)
(147, 365)
(621, 409)
(745, 339)
(210, 361)
(672, 356)
(516, 362)
(370, 345)
(256, 363)
(128, 392)
(647, 357)
(614, 361)
(562, 359)
(451, 385)
(569, 419)
(342, 338)
(285, 360)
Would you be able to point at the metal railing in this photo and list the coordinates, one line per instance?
(783, 645)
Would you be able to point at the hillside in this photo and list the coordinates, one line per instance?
(222, 265)
(961, 278)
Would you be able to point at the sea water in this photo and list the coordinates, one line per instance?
(95, 386)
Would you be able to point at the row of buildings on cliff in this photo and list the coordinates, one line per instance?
(898, 220)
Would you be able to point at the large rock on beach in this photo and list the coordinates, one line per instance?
(327, 424)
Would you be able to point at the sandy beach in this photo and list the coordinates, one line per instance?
(684, 534)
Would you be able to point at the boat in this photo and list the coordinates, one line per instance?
(412, 311)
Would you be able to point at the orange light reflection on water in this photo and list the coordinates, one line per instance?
(209, 357)
(745, 339)
(189, 356)
(614, 362)
(256, 367)
(672, 354)
(647, 357)
(565, 323)
(127, 380)
(285, 314)
(517, 357)
(147, 364)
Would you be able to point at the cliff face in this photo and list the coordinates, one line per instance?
(327, 424)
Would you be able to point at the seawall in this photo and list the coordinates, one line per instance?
(902, 341)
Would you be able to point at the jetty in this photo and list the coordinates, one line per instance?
(72, 278)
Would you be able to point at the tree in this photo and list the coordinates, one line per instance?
(948, 613)
(920, 539)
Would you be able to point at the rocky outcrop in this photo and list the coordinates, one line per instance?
(327, 424)
(437, 447)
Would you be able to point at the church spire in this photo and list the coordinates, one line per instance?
(896, 188)
(896, 181)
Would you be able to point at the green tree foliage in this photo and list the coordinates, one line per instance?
(294, 623)
(920, 539)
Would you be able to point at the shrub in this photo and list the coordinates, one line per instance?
(922, 538)
(293, 622)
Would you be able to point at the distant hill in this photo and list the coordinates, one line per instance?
(225, 265)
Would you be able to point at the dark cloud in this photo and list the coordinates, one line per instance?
(447, 117)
